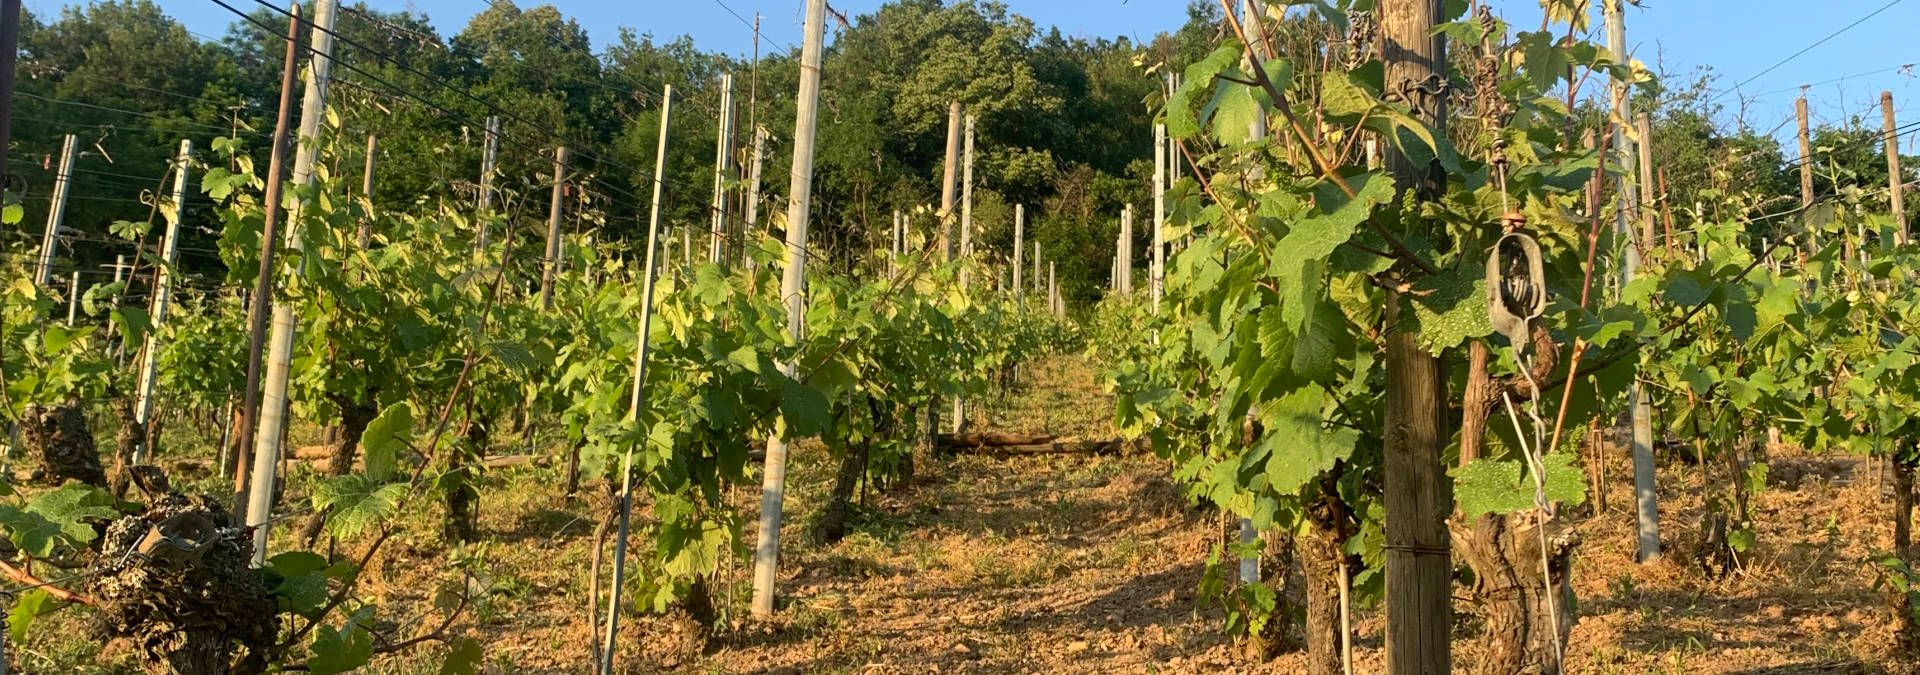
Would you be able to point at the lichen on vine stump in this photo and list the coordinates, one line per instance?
(176, 583)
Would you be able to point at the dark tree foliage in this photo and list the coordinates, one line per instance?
(1064, 123)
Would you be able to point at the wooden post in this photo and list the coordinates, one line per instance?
(162, 298)
(947, 181)
(366, 192)
(1666, 213)
(1896, 182)
(1419, 569)
(722, 171)
(792, 289)
(279, 363)
(1643, 128)
(638, 397)
(62, 182)
(1806, 151)
(1641, 414)
(550, 267)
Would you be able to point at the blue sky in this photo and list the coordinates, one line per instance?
(1739, 38)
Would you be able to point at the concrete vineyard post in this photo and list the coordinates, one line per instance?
(279, 362)
(753, 190)
(966, 213)
(1053, 290)
(722, 170)
(1641, 414)
(162, 298)
(1156, 273)
(1036, 268)
(1257, 131)
(1126, 251)
(792, 286)
(966, 249)
(893, 252)
(366, 192)
(1019, 242)
(56, 213)
(489, 158)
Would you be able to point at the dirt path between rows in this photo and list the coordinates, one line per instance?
(1082, 564)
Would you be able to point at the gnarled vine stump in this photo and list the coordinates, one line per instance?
(176, 582)
(59, 435)
(1522, 610)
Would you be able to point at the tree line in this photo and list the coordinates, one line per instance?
(1064, 123)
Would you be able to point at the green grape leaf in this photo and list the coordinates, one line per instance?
(1687, 288)
(32, 605)
(1739, 313)
(1777, 302)
(1344, 99)
(805, 410)
(692, 551)
(1757, 477)
(60, 516)
(1502, 486)
(1607, 332)
(1299, 443)
(1182, 121)
(345, 649)
(302, 595)
(515, 356)
(133, 323)
(355, 502)
(55, 338)
(750, 360)
(385, 438)
(1235, 111)
(1315, 237)
(296, 563)
(834, 377)
(465, 658)
(1741, 539)
(299, 580)
(1449, 309)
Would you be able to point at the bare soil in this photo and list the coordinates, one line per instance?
(1090, 564)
